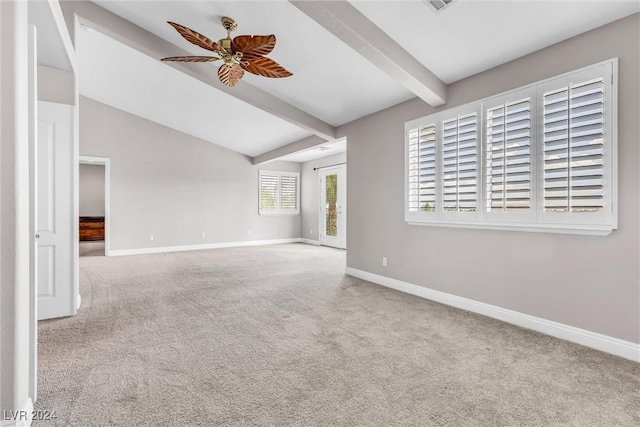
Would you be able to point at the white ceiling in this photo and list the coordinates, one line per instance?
(331, 81)
(122, 77)
(471, 36)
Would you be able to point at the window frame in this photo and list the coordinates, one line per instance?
(535, 219)
(278, 210)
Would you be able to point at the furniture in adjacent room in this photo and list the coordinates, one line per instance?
(91, 228)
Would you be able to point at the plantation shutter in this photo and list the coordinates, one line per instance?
(573, 147)
(422, 169)
(460, 163)
(508, 156)
(268, 192)
(288, 192)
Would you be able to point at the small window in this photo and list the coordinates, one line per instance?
(279, 193)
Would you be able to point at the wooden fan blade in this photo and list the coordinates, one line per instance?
(191, 59)
(230, 75)
(195, 37)
(265, 67)
(253, 46)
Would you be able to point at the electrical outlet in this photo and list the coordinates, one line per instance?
(203, 235)
(150, 237)
(249, 232)
(311, 231)
(384, 261)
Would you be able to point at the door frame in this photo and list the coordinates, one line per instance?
(106, 162)
(33, 212)
(341, 169)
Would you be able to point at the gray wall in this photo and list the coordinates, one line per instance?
(176, 186)
(91, 190)
(585, 281)
(310, 196)
(56, 85)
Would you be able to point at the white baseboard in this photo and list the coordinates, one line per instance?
(140, 251)
(311, 242)
(19, 418)
(626, 349)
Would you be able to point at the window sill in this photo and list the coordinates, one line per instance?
(588, 230)
(279, 213)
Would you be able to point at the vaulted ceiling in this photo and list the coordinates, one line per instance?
(349, 59)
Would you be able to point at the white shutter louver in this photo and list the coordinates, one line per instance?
(422, 169)
(460, 163)
(508, 156)
(288, 192)
(573, 148)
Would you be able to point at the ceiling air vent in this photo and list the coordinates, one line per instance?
(438, 5)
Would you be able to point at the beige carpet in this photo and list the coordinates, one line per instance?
(277, 335)
(95, 248)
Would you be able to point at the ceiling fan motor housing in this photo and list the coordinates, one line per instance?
(225, 44)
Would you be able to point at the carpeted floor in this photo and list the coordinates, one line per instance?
(95, 248)
(277, 335)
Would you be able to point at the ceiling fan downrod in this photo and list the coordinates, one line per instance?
(229, 57)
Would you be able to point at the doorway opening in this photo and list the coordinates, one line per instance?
(93, 206)
(333, 206)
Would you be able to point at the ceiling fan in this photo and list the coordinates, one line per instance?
(243, 53)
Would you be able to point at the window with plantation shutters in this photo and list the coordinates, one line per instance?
(422, 169)
(268, 192)
(288, 192)
(443, 162)
(279, 192)
(508, 159)
(538, 158)
(460, 163)
(574, 147)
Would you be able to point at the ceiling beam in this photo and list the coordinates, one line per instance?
(294, 147)
(356, 30)
(138, 38)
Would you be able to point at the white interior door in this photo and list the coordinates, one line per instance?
(333, 210)
(56, 293)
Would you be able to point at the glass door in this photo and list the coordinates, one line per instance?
(333, 207)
